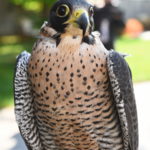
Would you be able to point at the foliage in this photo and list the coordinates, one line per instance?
(35, 10)
(139, 61)
(8, 53)
(35, 5)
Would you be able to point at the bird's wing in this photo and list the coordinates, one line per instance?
(24, 104)
(122, 88)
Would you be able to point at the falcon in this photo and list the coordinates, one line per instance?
(71, 93)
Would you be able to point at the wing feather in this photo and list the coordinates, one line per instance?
(24, 111)
(122, 87)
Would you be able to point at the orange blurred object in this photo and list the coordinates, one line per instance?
(133, 28)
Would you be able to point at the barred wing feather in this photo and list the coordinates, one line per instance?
(24, 104)
(122, 87)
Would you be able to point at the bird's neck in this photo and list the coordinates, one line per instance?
(71, 39)
(70, 42)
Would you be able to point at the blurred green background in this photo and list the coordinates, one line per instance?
(27, 17)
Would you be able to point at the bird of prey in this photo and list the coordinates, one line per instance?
(70, 92)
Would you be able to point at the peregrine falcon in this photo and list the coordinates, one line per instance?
(70, 92)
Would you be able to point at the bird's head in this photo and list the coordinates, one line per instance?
(72, 17)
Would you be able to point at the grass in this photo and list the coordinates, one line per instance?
(139, 62)
(139, 59)
(8, 53)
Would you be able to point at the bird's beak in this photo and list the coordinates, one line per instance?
(80, 19)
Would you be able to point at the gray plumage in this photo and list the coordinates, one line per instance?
(24, 110)
(122, 86)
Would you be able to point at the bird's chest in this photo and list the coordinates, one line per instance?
(58, 78)
(69, 91)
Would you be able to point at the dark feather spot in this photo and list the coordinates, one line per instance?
(47, 74)
(51, 84)
(71, 102)
(57, 74)
(81, 61)
(62, 87)
(65, 68)
(43, 60)
(83, 66)
(56, 91)
(47, 79)
(88, 87)
(74, 37)
(98, 83)
(54, 109)
(78, 98)
(72, 74)
(67, 93)
(86, 93)
(45, 92)
(47, 98)
(78, 70)
(94, 70)
(54, 102)
(92, 61)
(79, 75)
(85, 78)
(92, 76)
(71, 84)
